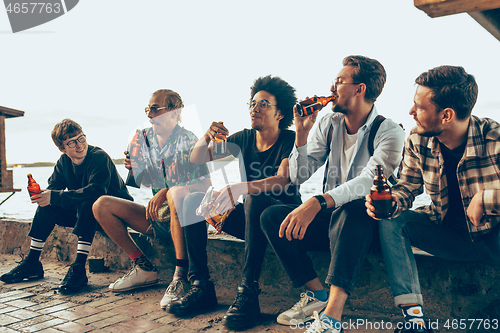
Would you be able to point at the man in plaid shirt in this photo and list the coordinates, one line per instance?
(455, 156)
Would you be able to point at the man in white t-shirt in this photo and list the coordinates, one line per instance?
(337, 219)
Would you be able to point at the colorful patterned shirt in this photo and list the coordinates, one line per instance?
(169, 165)
(477, 170)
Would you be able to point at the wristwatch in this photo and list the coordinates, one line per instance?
(322, 201)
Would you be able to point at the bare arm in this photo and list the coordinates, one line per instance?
(201, 152)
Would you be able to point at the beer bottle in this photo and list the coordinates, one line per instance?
(381, 195)
(219, 148)
(308, 106)
(132, 153)
(33, 187)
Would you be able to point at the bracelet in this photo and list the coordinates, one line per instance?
(322, 201)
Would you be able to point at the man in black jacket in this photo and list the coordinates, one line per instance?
(82, 174)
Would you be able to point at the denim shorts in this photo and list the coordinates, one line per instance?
(161, 226)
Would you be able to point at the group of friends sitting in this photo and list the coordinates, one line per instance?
(450, 153)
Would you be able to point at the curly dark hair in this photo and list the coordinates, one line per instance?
(452, 87)
(367, 71)
(282, 91)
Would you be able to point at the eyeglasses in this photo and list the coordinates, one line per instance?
(72, 143)
(261, 105)
(153, 109)
(336, 83)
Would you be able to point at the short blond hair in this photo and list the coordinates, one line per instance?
(173, 100)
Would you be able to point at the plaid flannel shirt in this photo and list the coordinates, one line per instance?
(477, 170)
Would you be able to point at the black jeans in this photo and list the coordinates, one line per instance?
(348, 232)
(243, 223)
(81, 219)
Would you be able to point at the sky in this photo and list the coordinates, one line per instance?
(99, 63)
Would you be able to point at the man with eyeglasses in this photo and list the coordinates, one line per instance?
(335, 220)
(81, 175)
(164, 165)
(262, 153)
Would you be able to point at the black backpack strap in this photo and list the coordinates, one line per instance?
(328, 145)
(373, 131)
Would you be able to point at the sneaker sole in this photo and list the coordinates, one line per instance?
(297, 321)
(64, 291)
(134, 287)
(237, 325)
(28, 278)
(193, 312)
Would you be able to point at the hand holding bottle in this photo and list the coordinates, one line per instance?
(303, 126)
(313, 104)
(216, 130)
(379, 203)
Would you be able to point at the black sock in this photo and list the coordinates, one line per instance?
(36, 248)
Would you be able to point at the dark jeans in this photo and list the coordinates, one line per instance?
(81, 219)
(449, 240)
(243, 223)
(348, 232)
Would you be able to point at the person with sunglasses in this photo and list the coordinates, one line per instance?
(82, 174)
(163, 163)
(262, 154)
(335, 220)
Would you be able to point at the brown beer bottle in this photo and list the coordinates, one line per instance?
(220, 144)
(33, 187)
(308, 106)
(381, 195)
(132, 153)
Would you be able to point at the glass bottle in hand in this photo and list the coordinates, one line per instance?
(381, 195)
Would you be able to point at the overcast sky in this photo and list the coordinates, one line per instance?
(99, 63)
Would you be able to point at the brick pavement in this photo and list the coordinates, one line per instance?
(36, 306)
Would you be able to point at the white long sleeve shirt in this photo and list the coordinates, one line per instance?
(388, 147)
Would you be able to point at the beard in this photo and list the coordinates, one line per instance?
(429, 134)
(426, 132)
(337, 108)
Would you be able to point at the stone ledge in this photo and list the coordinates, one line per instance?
(451, 289)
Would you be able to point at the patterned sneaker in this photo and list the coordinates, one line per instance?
(302, 311)
(322, 326)
(135, 278)
(174, 291)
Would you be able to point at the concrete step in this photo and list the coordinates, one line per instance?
(452, 290)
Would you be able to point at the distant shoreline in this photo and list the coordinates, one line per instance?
(116, 161)
(48, 164)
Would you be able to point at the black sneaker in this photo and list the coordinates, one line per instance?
(75, 279)
(200, 297)
(245, 310)
(25, 270)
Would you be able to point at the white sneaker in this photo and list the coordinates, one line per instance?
(319, 326)
(135, 278)
(302, 311)
(174, 291)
